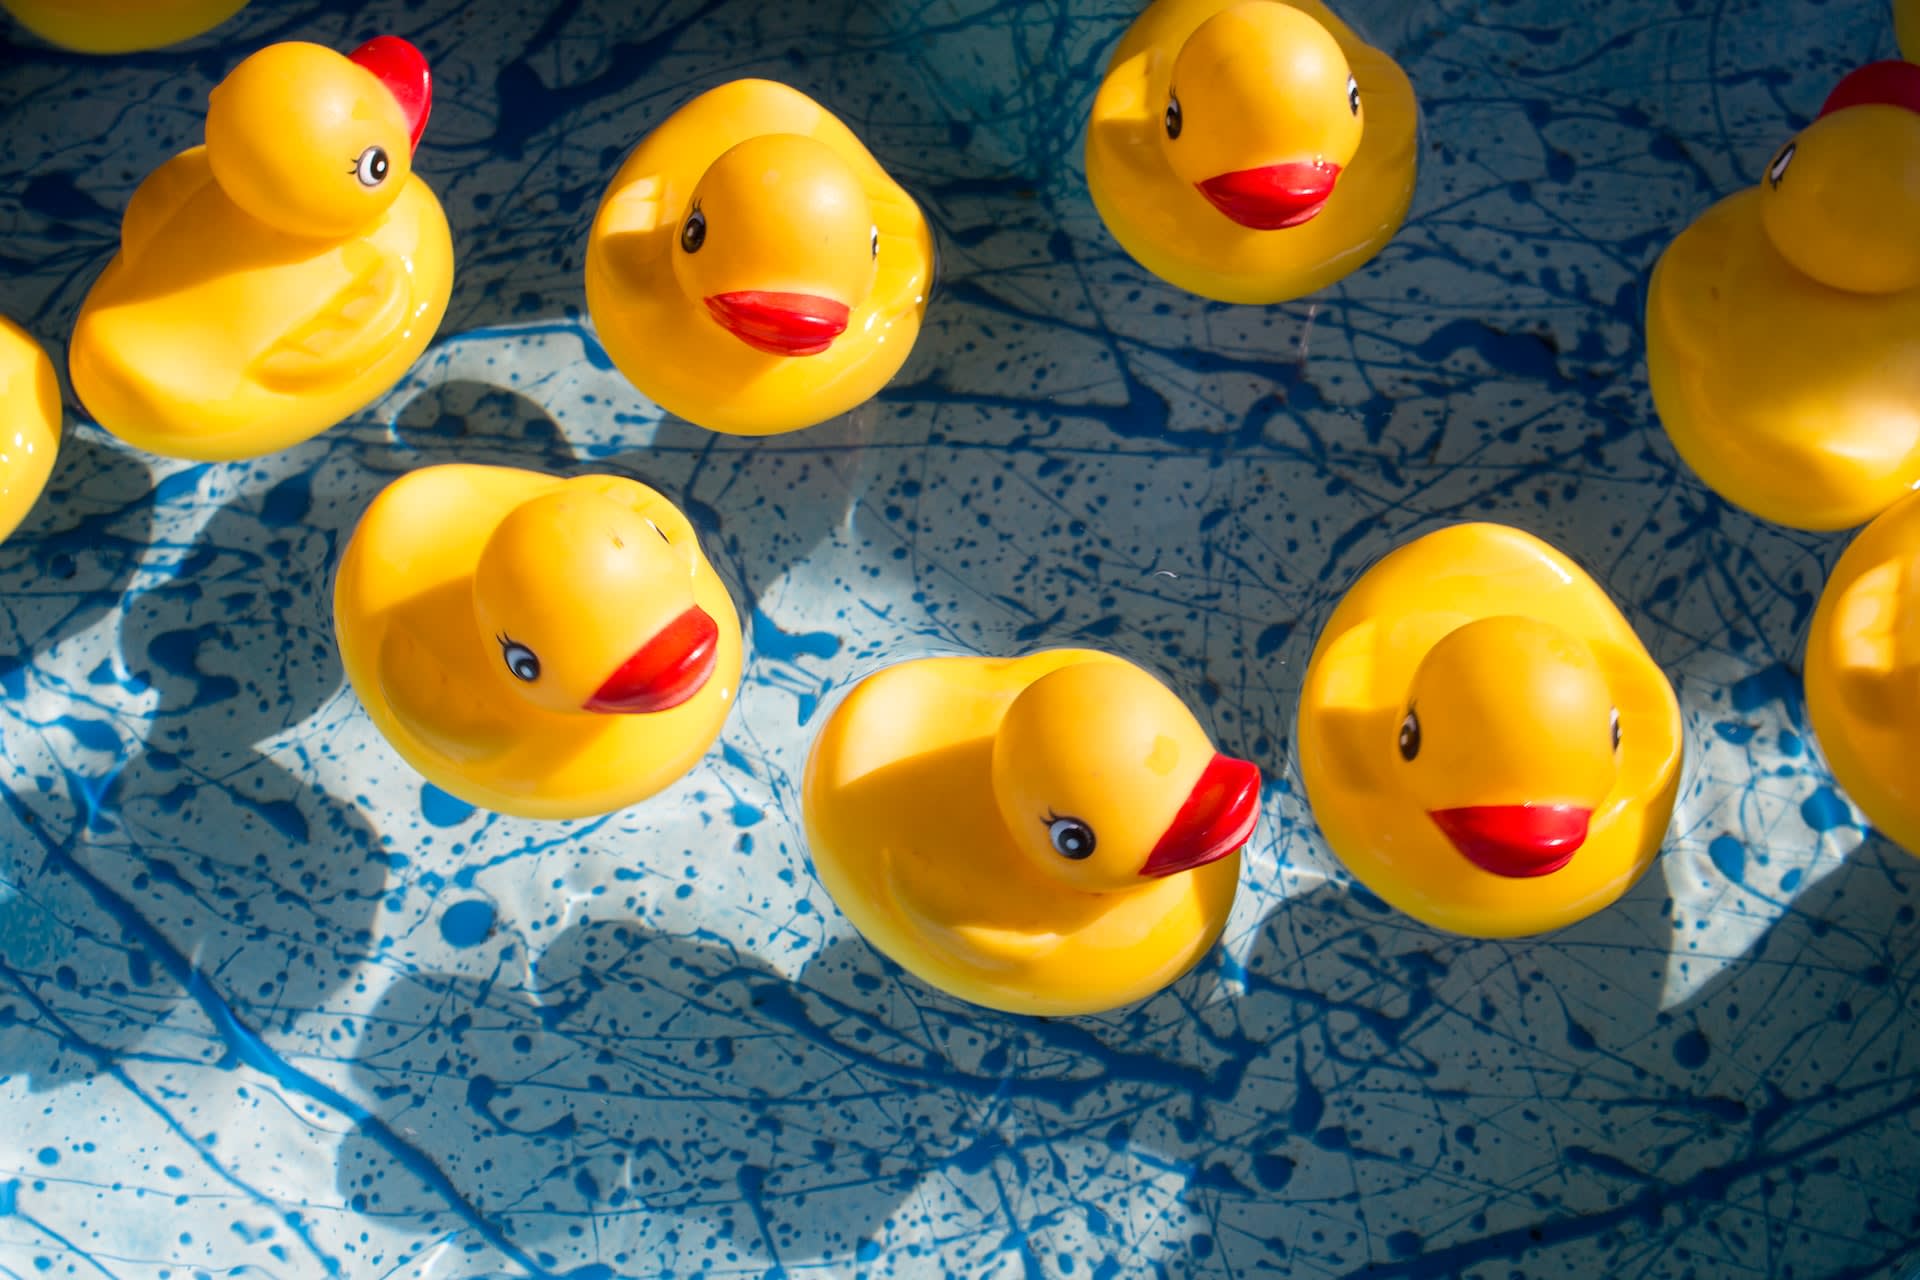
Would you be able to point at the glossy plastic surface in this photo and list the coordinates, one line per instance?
(271, 1004)
(1484, 740)
(120, 26)
(1783, 326)
(752, 268)
(541, 647)
(1863, 672)
(1047, 835)
(277, 279)
(1251, 150)
(29, 423)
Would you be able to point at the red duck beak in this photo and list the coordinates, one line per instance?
(781, 324)
(1516, 840)
(1273, 196)
(1219, 817)
(666, 671)
(403, 69)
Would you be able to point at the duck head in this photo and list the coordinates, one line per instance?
(1510, 741)
(1105, 780)
(316, 144)
(1841, 200)
(778, 243)
(1262, 114)
(589, 605)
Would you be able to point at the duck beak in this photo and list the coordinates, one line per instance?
(666, 670)
(781, 324)
(403, 69)
(1273, 196)
(1219, 817)
(1516, 840)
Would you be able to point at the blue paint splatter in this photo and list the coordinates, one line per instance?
(441, 809)
(466, 924)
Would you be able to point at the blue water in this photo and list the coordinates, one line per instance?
(269, 1004)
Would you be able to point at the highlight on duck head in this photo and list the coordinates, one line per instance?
(590, 606)
(1511, 741)
(1262, 114)
(779, 242)
(315, 143)
(1841, 200)
(1105, 780)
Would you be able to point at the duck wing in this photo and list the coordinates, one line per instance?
(362, 318)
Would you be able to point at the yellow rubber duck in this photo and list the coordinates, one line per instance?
(1783, 327)
(1863, 672)
(752, 268)
(281, 277)
(29, 423)
(540, 647)
(120, 26)
(1251, 150)
(1049, 835)
(1484, 741)
(1906, 28)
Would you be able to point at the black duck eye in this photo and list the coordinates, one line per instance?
(1173, 116)
(1614, 728)
(1410, 736)
(520, 660)
(1353, 95)
(874, 244)
(371, 168)
(1071, 837)
(694, 234)
(1778, 169)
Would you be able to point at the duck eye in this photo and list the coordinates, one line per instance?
(1614, 728)
(1353, 95)
(371, 168)
(1778, 169)
(1071, 837)
(694, 234)
(1173, 116)
(874, 249)
(1410, 736)
(520, 660)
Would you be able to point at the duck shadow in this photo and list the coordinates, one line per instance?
(1543, 1101)
(200, 853)
(641, 1094)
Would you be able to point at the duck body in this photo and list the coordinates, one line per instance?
(1484, 741)
(234, 325)
(540, 647)
(120, 26)
(29, 423)
(1783, 325)
(752, 269)
(1050, 835)
(1863, 672)
(1251, 151)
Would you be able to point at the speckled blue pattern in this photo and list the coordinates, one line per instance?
(270, 1007)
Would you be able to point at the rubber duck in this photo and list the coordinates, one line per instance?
(541, 647)
(752, 269)
(1484, 741)
(1906, 28)
(1863, 672)
(120, 26)
(29, 423)
(281, 277)
(1783, 327)
(1051, 834)
(1251, 150)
